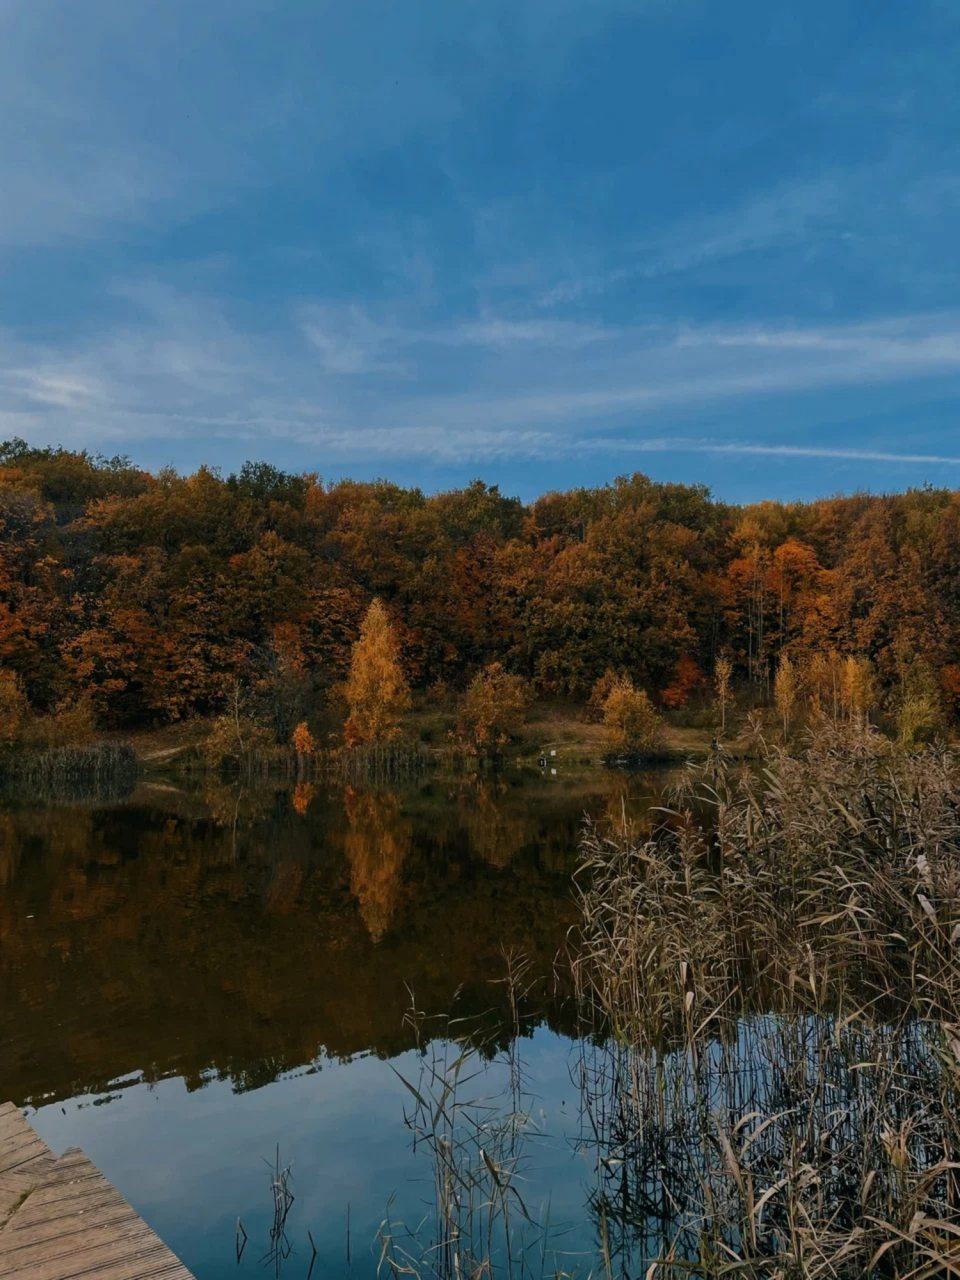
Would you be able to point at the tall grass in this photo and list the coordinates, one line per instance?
(103, 771)
(377, 763)
(480, 1222)
(778, 974)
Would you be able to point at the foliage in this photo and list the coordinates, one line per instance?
(632, 726)
(376, 690)
(687, 677)
(302, 739)
(919, 710)
(234, 742)
(722, 672)
(858, 687)
(13, 708)
(74, 721)
(601, 691)
(918, 719)
(785, 691)
(155, 594)
(493, 709)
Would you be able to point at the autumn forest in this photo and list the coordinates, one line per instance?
(129, 599)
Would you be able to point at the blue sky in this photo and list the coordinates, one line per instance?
(543, 242)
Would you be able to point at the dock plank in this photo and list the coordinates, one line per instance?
(60, 1219)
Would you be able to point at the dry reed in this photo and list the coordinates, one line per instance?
(776, 972)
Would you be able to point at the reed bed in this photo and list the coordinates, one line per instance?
(103, 771)
(770, 987)
(391, 762)
(384, 763)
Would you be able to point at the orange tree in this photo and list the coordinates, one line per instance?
(376, 690)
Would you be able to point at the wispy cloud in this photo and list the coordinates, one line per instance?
(748, 449)
(781, 218)
(344, 383)
(504, 332)
(349, 342)
(51, 388)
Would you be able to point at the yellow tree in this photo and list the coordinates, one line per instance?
(631, 724)
(785, 691)
(377, 692)
(493, 708)
(823, 680)
(858, 688)
(722, 673)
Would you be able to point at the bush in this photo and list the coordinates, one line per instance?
(493, 709)
(631, 723)
(72, 724)
(235, 741)
(918, 719)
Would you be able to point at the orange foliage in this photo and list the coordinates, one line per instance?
(167, 596)
(302, 740)
(687, 678)
(302, 797)
(493, 708)
(376, 690)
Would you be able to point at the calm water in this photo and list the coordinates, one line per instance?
(191, 981)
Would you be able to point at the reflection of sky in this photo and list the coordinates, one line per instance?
(192, 1162)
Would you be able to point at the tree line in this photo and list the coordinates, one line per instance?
(131, 599)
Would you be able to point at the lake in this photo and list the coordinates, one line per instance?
(202, 983)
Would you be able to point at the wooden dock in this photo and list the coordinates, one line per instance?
(60, 1219)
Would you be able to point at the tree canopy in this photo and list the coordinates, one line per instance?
(154, 595)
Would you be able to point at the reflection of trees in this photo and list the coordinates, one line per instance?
(495, 832)
(377, 841)
(183, 933)
(9, 850)
(302, 796)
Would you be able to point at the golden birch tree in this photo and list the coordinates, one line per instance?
(376, 690)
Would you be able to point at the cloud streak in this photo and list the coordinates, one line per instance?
(748, 449)
(348, 384)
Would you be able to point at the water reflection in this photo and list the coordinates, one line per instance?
(377, 843)
(238, 933)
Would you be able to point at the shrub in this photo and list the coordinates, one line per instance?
(493, 709)
(631, 723)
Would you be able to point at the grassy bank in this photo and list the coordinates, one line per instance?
(565, 733)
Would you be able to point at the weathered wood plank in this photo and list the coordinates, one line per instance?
(60, 1219)
(20, 1144)
(14, 1189)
